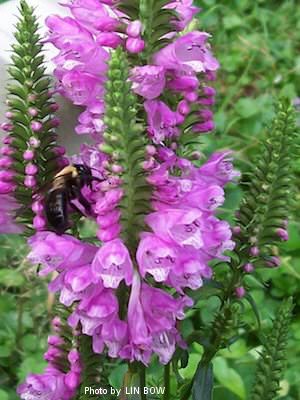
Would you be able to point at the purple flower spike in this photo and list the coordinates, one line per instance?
(112, 263)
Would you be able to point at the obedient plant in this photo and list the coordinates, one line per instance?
(142, 75)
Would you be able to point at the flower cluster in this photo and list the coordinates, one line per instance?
(177, 68)
(186, 234)
(110, 288)
(53, 384)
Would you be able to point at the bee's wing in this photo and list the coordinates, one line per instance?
(38, 193)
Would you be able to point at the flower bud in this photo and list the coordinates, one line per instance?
(6, 151)
(254, 251)
(109, 39)
(7, 140)
(54, 107)
(6, 187)
(6, 162)
(248, 268)
(6, 175)
(135, 45)
(191, 96)
(55, 122)
(117, 169)
(36, 126)
(134, 29)
(29, 181)
(150, 150)
(37, 207)
(7, 126)
(183, 107)
(204, 127)
(39, 222)
(32, 97)
(31, 169)
(59, 150)
(33, 112)
(273, 262)
(28, 155)
(209, 91)
(283, 234)
(72, 380)
(240, 292)
(34, 142)
(236, 230)
(55, 340)
(9, 114)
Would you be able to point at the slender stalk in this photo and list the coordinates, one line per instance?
(142, 372)
(167, 382)
(20, 325)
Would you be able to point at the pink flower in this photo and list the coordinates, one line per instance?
(156, 257)
(94, 15)
(8, 207)
(66, 33)
(59, 252)
(80, 87)
(112, 264)
(188, 53)
(115, 335)
(162, 122)
(217, 237)
(139, 347)
(148, 81)
(189, 271)
(219, 168)
(186, 12)
(161, 312)
(179, 226)
(50, 385)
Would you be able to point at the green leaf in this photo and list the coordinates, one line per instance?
(229, 378)
(247, 107)
(3, 395)
(34, 365)
(11, 278)
(232, 21)
(116, 376)
(203, 382)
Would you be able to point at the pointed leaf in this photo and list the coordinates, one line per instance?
(203, 382)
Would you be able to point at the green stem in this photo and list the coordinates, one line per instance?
(20, 325)
(142, 372)
(167, 382)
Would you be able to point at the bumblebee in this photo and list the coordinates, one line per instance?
(66, 187)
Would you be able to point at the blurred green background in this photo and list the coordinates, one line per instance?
(258, 45)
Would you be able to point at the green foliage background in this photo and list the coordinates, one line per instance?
(257, 43)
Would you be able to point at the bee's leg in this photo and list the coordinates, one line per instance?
(76, 194)
(77, 209)
(91, 180)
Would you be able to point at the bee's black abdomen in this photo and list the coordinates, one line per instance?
(57, 210)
